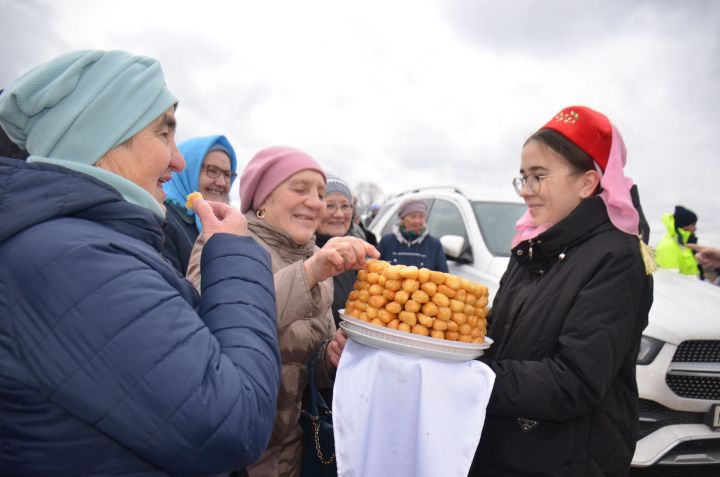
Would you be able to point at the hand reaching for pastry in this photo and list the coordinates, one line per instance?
(338, 255)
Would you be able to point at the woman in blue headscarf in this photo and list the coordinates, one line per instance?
(210, 169)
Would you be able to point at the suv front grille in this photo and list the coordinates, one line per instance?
(654, 416)
(695, 370)
(694, 387)
(698, 351)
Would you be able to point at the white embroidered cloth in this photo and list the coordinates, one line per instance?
(398, 415)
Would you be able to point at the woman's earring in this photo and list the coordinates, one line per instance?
(260, 214)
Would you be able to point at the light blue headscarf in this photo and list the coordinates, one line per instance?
(183, 183)
(75, 108)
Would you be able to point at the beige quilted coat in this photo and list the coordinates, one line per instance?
(305, 323)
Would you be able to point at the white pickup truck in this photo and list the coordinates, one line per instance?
(678, 370)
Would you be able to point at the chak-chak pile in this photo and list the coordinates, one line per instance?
(419, 301)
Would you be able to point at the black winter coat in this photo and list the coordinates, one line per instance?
(567, 322)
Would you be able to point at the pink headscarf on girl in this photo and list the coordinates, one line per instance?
(597, 136)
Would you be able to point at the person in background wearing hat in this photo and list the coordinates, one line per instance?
(673, 251)
(568, 317)
(374, 209)
(282, 194)
(336, 221)
(210, 169)
(410, 243)
(111, 365)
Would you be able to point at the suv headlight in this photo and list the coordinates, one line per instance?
(649, 349)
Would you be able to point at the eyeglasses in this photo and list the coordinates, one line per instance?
(214, 172)
(344, 208)
(533, 182)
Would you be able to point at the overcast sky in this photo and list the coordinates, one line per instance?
(422, 92)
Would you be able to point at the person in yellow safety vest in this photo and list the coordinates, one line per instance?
(672, 251)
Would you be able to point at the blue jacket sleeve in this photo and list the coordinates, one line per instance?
(112, 342)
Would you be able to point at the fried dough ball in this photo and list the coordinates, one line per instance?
(438, 278)
(192, 196)
(420, 296)
(428, 287)
(424, 320)
(377, 301)
(420, 330)
(439, 325)
(409, 272)
(408, 317)
(375, 289)
(385, 316)
(446, 290)
(392, 273)
(412, 306)
(444, 313)
(376, 266)
(430, 309)
(401, 296)
(455, 305)
(452, 281)
(393, 284)
(410, 285)
(440, 299)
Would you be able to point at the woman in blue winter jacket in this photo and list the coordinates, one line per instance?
(109, 362)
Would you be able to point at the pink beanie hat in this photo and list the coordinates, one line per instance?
(268, 169)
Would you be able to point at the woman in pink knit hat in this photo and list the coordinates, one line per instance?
(282, 194)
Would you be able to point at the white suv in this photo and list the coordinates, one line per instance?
(678, 371)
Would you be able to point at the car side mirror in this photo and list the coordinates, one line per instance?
(456, 248)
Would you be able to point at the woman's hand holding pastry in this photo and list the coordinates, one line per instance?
(218, 217)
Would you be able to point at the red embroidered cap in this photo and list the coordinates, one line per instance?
(587, 129)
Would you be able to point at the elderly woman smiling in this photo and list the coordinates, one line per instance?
(282, 192)
(211, 164)
(336, 222)
(110, 362)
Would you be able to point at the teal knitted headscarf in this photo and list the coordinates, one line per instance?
(77, 107)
